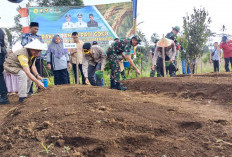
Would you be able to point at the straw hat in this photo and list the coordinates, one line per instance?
(36, 45)
(164, 42)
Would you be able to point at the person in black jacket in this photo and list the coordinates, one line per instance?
(3, 89)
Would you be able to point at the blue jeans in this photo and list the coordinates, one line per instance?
(184, 63)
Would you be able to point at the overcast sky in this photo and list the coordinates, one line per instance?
(157, 16)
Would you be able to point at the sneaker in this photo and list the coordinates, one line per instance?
(4, 100)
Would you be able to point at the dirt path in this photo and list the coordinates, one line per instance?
(108, 123)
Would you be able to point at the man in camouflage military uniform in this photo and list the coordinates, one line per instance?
(173, 34)
(117, 49)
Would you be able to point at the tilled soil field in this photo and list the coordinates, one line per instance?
(169, 117)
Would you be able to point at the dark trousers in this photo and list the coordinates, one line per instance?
(216, 65)
(3, 89)
(227, 60)
(60, 76)
(75, 73)
(91, 73)
(171, 68)
(38, 66)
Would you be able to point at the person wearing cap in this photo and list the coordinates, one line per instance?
(94, 43)
(68, 24)
(226, 46)
(21, 63)
(3, 52)
(92, 23)
(80, 22)
(117, 49)
(58, 60)
(170, 53)
(173, 34)
(76, 56)
(94, 59)
(29, 37)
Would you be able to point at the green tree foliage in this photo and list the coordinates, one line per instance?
(50, 3)
(154, 37)
(145, 48)
(196, 32)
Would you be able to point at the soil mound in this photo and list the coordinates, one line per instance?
(212, 86)
(84, 121)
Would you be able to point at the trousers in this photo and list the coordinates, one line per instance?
(3, 89)
(24, 83)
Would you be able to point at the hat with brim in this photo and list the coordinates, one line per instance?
(165, 42)
(37, 45)
(177, 28)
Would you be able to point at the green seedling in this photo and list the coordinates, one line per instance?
(219, 140)
(46, 148)
(67, 149)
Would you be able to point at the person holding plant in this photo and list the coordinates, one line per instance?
(93, 62)
(22, 64)
(58, 61)
(117, 49)
(170, 53)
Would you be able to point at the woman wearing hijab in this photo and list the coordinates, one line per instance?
(58, 61)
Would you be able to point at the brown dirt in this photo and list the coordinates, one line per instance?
(152, 119)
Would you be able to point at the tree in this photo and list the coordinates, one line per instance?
(154, 37)
(196, 31)
(51, 3)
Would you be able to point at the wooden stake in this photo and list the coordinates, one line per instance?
(163, 56)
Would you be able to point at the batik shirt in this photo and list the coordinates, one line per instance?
(119, 47)
(28, 37)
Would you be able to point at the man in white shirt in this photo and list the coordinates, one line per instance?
(80, 23)
(68, 24)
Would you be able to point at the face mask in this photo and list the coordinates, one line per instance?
(85, 51)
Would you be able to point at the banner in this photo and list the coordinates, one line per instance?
(93, 23)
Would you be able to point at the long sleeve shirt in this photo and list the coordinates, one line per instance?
(170, 52)
(98, 56)
(77, 53)
(28, 37)
(57, 63)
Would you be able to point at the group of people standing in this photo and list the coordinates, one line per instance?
(172, 46)
(27, 62)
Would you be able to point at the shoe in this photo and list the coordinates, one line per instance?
(120, 87)
(112, 84)
(29, 93)
(21, 99)
(4, 99)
